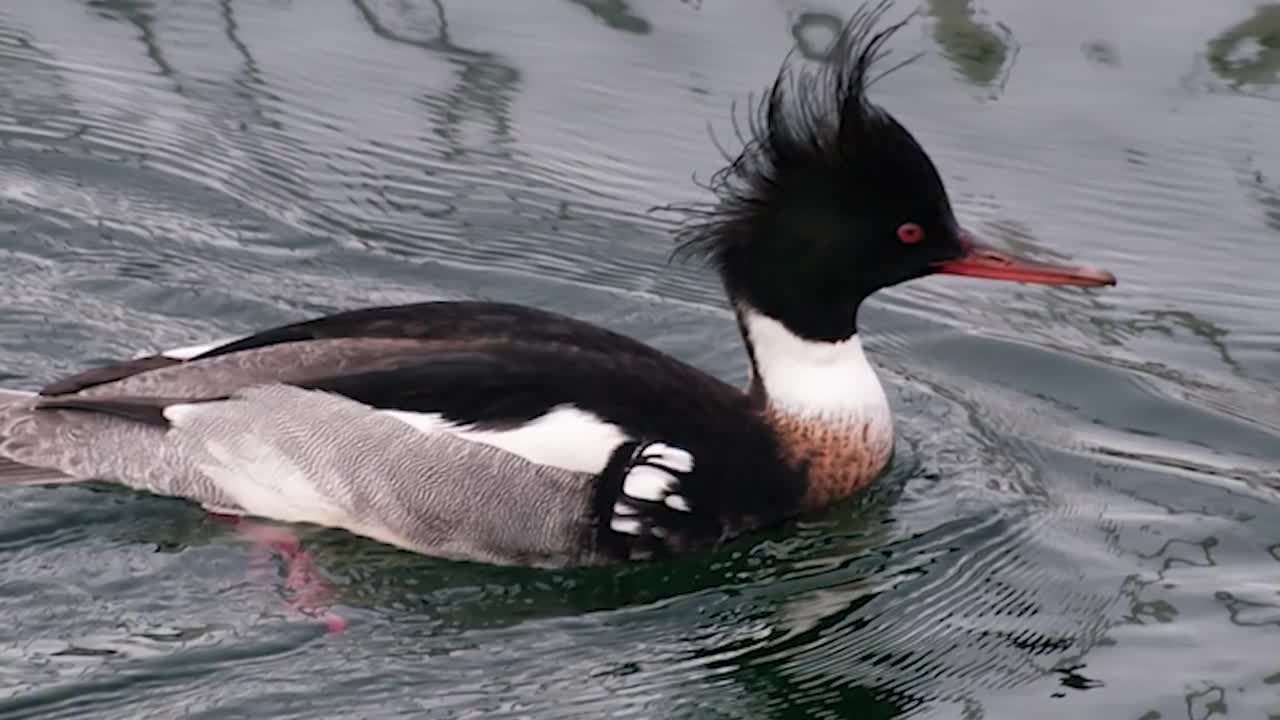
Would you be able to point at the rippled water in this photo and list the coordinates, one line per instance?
(1084, 517)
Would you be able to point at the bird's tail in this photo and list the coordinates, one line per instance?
(16, 473)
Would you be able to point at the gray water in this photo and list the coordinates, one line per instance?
(1084, 516)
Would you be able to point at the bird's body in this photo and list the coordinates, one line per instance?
(467, 429)
(506, 434)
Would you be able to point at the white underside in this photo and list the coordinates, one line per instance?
(250, 467)
(829, 380)
(289, 495)
(266, 483)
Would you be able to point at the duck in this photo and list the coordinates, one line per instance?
(499, 433)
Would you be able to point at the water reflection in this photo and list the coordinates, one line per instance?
(998, 568)
(1206, 703)
(1099, 318)
(1071, 677)
(1249, 613)
(815, 33)
(923, 626)
(1169, 321)
(1101, 52)
(33, 95)
(1270, 201)
(485, 83)
(617, 14)
(1247, 54)
(1266, 191)
(138, 13)
(983, 53)
(251, 83)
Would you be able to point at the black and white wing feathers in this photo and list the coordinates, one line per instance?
(673, 459)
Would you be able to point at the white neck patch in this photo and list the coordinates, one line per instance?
(824, 380)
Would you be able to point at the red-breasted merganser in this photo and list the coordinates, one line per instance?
(505, 434)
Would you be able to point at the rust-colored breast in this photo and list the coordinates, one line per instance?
(838, 456)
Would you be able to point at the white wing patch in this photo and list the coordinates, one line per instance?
(649, 483)
(665, 456)
(188, 352)
(179, 414)
(656, 477)
(566, 437)
(426, 423)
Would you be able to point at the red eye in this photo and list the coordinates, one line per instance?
(910, 233)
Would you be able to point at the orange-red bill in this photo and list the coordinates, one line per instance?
(984, 261)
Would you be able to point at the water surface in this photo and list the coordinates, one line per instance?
(1083, 518)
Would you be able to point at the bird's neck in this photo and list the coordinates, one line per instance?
(824, 402)
(828, 381)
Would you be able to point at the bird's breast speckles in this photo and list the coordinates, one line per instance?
(838, 456)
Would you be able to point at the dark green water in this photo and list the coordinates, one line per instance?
(1084, 517)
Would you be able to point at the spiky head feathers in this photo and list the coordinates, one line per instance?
(830, 198)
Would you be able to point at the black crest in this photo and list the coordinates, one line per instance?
(803, 121)
(822, 182)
